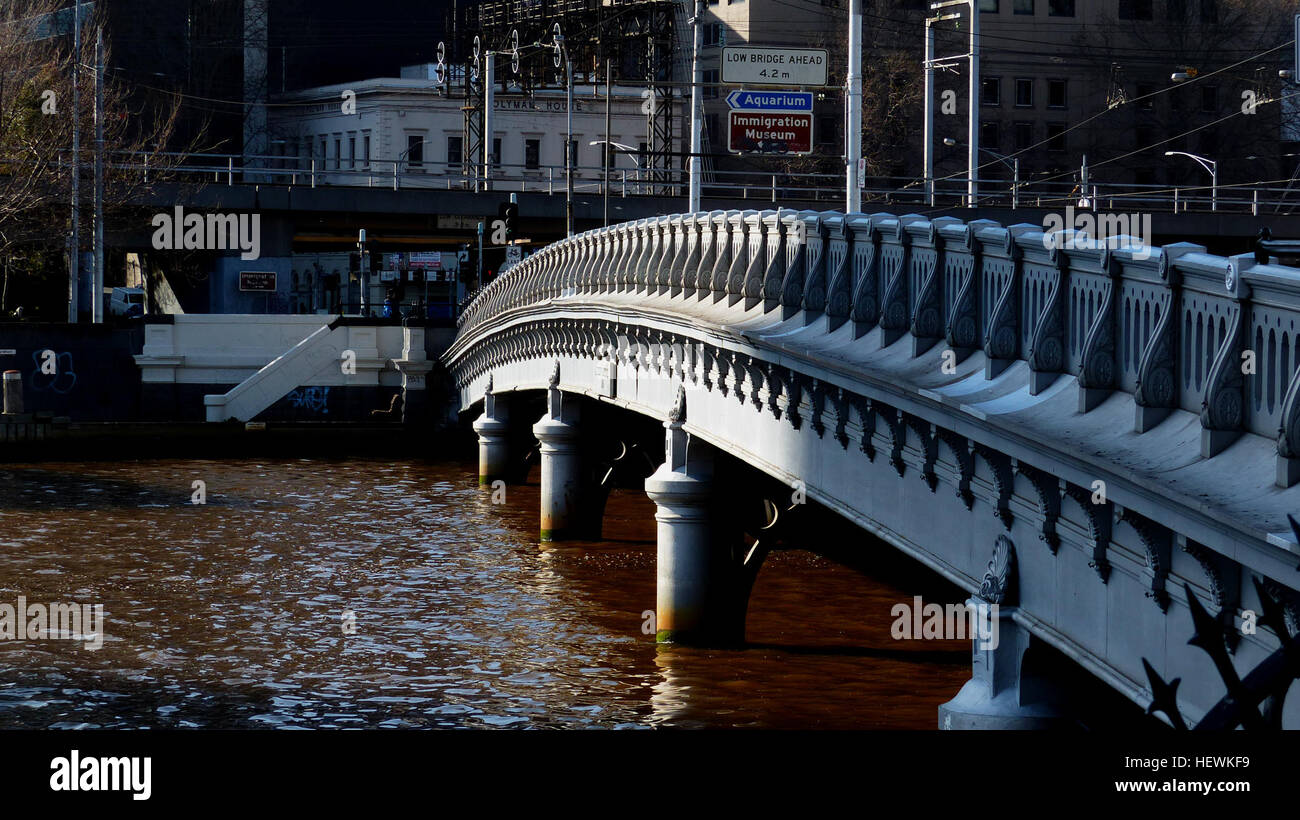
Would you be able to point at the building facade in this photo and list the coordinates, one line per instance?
(369, 132)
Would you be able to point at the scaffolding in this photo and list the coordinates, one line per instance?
(640, 39)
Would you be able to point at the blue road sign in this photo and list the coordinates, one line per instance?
(770, 100)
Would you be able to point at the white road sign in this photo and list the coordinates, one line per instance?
(762, 65)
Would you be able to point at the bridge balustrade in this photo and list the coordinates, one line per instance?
(1174, 326)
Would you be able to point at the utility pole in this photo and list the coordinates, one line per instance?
(697, 109)
(489, 80)
(97, 288)
(363, 272)
(973, 138)
(609, 90)
(853, 99)
(74, 257)
(568, 145)
(927, 160)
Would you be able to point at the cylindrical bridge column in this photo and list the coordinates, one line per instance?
(557, 432)
(695, 599)
(493, 448)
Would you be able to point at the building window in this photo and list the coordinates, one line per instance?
(352, 153)
(1056, 136)
(1210, 99)
(496, 152)
(1022, 7)
(991, 91)
(991, 136)
(573, 153)
(338, 153)
(1060, 8)
(1024, 132)
(532, 154)
(324, 152)
(1135, 9)
(713, 34)
(455, 151)
(1143, 137)
(366, 141)
(989, 5)
(415, 151)
(711, 75)
(1056, 93)
(1024, 92)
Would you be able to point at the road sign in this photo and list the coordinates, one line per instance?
(767, 132)
(262, 281)
(761, 65)
(770, 100)
(514, 255)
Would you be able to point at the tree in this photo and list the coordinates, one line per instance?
(36, 123)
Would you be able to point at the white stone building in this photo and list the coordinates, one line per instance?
(365, 132)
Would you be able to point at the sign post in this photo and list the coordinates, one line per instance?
(770, 122)
(762, 65)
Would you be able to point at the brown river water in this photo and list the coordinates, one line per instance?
(235, 613)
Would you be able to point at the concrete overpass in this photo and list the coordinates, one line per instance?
(1103, 441)
(342, 209)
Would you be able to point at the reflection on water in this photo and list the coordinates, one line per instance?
(232, 614)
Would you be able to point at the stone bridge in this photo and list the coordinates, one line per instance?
(1084, 433)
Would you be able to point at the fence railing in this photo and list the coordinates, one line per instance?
(1174, 326)
(748, 185)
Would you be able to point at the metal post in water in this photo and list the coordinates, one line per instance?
(13, 393)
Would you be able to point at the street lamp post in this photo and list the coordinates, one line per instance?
(1209, 165)
(697, 111)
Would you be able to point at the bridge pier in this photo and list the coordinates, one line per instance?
(493, 440)
(561, 454)
(1004, 692)
(695, 598)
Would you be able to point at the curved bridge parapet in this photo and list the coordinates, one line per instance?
(1140, 405)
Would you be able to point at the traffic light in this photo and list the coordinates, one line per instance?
(508, 212)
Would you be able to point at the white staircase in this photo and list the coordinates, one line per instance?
(319, 353)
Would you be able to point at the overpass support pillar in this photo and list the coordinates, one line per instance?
(695, 599)
(557, 433)
(493, 442)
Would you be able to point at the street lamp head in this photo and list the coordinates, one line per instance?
(949, 141)
(1169, 153)
(1179, 76)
